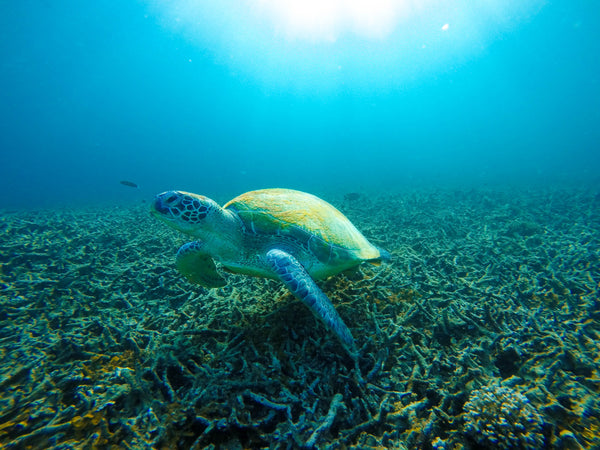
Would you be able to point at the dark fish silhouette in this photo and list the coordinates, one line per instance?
(129, 183)
(352, 196)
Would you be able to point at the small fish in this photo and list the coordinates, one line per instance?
(129, 183)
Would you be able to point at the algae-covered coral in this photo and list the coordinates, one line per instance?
(490, 295)
(503, 418)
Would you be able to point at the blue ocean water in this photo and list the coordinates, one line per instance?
(223, 97)
(475, 124)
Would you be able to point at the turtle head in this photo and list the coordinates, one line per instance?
(192, 214)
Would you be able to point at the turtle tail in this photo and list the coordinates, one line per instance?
(384, 256)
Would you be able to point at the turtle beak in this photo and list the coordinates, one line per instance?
(159, 205)
(163, 203)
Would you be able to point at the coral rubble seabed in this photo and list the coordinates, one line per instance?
(483, 332)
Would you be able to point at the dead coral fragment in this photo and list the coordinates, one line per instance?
(499, 417)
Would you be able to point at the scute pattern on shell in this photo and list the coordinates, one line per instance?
(311, 220)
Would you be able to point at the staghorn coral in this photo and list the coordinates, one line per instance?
(499, 417)
(103, 343)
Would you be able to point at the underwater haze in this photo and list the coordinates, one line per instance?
(445, 295)
(224, 97)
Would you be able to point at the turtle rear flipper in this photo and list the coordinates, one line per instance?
(298, 281)
(198, 267)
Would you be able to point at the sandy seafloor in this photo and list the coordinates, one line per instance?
(483, 332)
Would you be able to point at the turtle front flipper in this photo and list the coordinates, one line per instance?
(298, 281)
(198, 266)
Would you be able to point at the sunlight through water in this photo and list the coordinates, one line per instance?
(340, 44)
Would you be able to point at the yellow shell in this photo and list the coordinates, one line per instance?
(285, 212)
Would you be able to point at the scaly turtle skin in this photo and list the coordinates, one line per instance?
(282, 234)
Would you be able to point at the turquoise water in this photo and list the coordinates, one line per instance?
(223, 98)
(462, 139)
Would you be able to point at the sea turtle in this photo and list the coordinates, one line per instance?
(282, 234)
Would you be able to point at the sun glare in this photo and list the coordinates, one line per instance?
(329, 19)
(338, 43)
